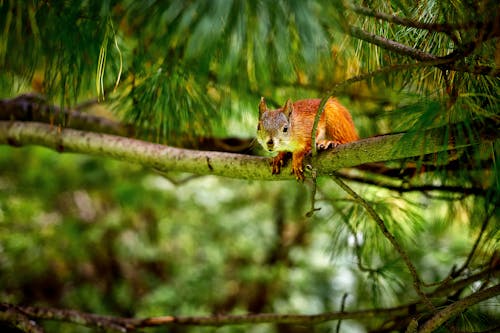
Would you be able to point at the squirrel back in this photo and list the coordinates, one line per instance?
(289, 129)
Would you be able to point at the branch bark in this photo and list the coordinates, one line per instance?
(382, 148)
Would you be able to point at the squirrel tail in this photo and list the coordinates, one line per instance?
(340, 126)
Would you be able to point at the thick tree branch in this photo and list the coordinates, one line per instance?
(382, 148)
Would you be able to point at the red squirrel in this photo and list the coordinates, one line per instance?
(289, 129)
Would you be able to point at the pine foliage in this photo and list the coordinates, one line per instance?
(181, 70)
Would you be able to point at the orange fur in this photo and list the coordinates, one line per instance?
(335, 127)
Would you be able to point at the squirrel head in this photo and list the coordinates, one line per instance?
(274, 128)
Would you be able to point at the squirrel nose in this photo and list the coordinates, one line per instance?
(270, 143)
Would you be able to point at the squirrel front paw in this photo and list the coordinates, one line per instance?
(298, 173)
(277, 162)
(298, 168)
(326, 144)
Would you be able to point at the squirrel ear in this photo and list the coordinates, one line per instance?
(288, 108)
(262, 106)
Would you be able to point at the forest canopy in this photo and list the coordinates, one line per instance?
(134, 196)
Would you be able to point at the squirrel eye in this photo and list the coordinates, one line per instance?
(285, 129)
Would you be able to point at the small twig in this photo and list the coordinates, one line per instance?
(319, 112)
(357, 246)
(417, 283)
(175, 182)
(459, 271)
(342, 306)
(314, 176)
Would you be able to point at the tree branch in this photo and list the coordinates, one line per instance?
(465, 265)
(33, 107)
(10, 313)
(164, 158)
(447, 62)
(447, 28)
(18, 319)
(417, 282)
(131, 324)
(457, 307)
(391, 45)
(416, 188)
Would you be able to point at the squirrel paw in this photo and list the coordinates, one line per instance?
(299, 174)
(326, 144)
(298, 171)
(277, 163)
(276, 166)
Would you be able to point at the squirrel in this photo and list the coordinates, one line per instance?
(289, 129)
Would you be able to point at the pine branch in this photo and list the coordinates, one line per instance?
(416, 188)
(391, 45)
(130, 324)
(18, 319)
(382, 148)
(417, 282)
(447, 28)
(457, 307)
(361, 77)
(465, 265)
(473, 69)
(11, 313)
(447, 62)
(32, 107)
(447, 287)
(164, 158)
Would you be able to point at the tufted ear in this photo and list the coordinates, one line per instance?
(262, 106)
(288, 108)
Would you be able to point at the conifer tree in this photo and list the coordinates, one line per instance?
(174, 86)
